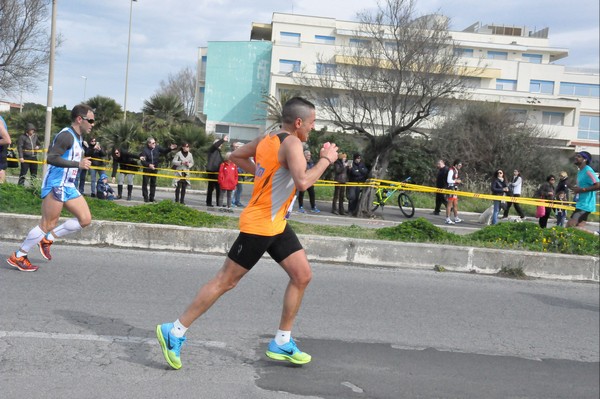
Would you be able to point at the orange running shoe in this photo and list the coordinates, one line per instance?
(21, 263)
(45, 248)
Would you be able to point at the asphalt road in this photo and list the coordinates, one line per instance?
(83, 327)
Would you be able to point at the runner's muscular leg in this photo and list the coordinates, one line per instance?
(80, 209)
(51, 209)
(226, 279)
(298, 269)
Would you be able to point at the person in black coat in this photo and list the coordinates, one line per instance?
(214, 161)
(357, 173)
(440, 182)
(124, 161)
(150, 159)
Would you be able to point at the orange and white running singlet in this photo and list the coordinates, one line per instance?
(273, 192)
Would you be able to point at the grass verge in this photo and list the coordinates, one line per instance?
(519, 236)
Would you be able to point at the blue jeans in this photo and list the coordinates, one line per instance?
(93, 173)
(237, 194)
(496, 211)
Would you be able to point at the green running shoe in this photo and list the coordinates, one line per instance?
(288, 351)
(171, 345)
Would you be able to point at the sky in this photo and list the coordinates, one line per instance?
(166, 35)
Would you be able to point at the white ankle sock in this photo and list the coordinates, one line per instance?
(282, 337)
(178, 329)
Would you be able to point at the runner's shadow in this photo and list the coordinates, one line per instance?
(134, 341)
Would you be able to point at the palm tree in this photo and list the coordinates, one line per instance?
(163, 111)
(106, 110)
(274, 108)
(121, 134)
(196, 137)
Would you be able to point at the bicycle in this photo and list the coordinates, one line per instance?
(405, 203)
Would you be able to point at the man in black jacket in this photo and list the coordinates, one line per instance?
(215, 159)
(150, 158)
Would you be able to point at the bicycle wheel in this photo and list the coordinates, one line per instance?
(377, 201)
(406, 205)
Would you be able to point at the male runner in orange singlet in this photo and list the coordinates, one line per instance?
(279, 167)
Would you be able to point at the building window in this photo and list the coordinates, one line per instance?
(541, 86)
(326, 69)
(579, 89)
(533, 58)
(222, 129)
(290, 38)
(589, 127)
(324, 39)
(506, 84)
(519, 115)
(553, 118)
(463, 52)
(289, 66)
(360, 42)
(497, 55)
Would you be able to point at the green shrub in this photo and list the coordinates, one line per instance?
(416, 230)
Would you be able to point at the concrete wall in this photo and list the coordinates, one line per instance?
(346, 251)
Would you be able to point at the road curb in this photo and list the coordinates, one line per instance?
(339, 250)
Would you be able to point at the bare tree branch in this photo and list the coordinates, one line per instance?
(24, 44)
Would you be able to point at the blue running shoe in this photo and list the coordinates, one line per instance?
(288, 351)
(170, 344)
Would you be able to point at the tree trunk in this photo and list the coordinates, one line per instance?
(378, 171)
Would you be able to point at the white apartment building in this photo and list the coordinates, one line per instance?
(520, 70)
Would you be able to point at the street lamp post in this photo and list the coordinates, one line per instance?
(50, 93)
(127, 65)
(84, 85)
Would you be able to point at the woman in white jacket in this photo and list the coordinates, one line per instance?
(514, 191)
(182, 162)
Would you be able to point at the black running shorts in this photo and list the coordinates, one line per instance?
(580, 216)
(249, 248)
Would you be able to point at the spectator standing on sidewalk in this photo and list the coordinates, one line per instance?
(452, 184)
(546, 191)
(228, 178)
(183, 161)
(124, 161)
(98, 162)
(150, 158)
(341, 178)
(310, 190)
(4, 143)
(82, 173)
(239, 188)
(514, 190)
(357, 173)
(441, 182)
(27, 147)
(499, 187)
(215, 159)
(563, 184)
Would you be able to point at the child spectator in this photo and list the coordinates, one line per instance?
(103, 189)
(228, 179)
(561, 214)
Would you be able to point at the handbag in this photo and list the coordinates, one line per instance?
(540, 211)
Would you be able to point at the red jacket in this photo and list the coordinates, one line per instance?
(228, 176)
